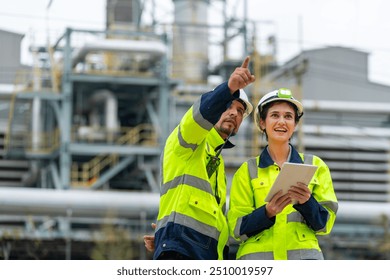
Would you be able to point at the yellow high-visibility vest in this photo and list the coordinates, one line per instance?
(188, 205)
(290, 237)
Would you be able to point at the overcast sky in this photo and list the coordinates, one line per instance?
(297, 24)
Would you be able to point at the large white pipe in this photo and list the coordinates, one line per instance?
(346, 131)
(77, 203)
(125, 204)
(154, 48)
(36, 123)
(346, 106)
(110, 109)
(363, 212)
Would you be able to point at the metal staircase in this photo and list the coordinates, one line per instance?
(14, 168)
(86, 174)
(16, 137)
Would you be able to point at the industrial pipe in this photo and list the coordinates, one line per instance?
(80, 203)
(126, 204)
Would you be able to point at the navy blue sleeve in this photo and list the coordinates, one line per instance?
(215, 102)
(256, 222)
(314, 213)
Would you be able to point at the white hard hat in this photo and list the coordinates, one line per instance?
(282, 94)
(248, 106)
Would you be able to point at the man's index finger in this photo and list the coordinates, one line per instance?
(246, 62)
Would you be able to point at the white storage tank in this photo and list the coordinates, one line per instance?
(190, 41)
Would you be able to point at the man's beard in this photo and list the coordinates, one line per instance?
(226, 131)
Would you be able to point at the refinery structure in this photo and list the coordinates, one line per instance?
(84, 126)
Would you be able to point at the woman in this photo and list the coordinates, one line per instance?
(279, 229)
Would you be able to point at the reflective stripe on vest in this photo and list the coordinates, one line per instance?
(189, 222)
(183, 143)
(301, 254)
(190, 180)
(308, 159)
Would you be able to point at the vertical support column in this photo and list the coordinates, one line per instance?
(66, 112)
(164, 99)
(36, 124)
(244, 28)
(225, 32)
(298, 73)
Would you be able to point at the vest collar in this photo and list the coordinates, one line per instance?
(266, 160)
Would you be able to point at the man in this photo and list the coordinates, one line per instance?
(191, 223)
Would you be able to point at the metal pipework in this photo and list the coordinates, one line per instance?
(80, 203)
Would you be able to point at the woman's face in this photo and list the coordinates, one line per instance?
(279, 123)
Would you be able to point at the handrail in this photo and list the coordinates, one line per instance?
(85, 174)
(48, 142)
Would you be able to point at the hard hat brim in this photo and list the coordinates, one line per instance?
(260, 105)
(244, 98)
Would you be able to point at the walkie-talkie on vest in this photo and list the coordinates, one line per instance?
(214, 161)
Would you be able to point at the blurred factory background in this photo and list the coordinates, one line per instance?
(82, 130)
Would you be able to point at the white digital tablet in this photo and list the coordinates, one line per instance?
(290, 175)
